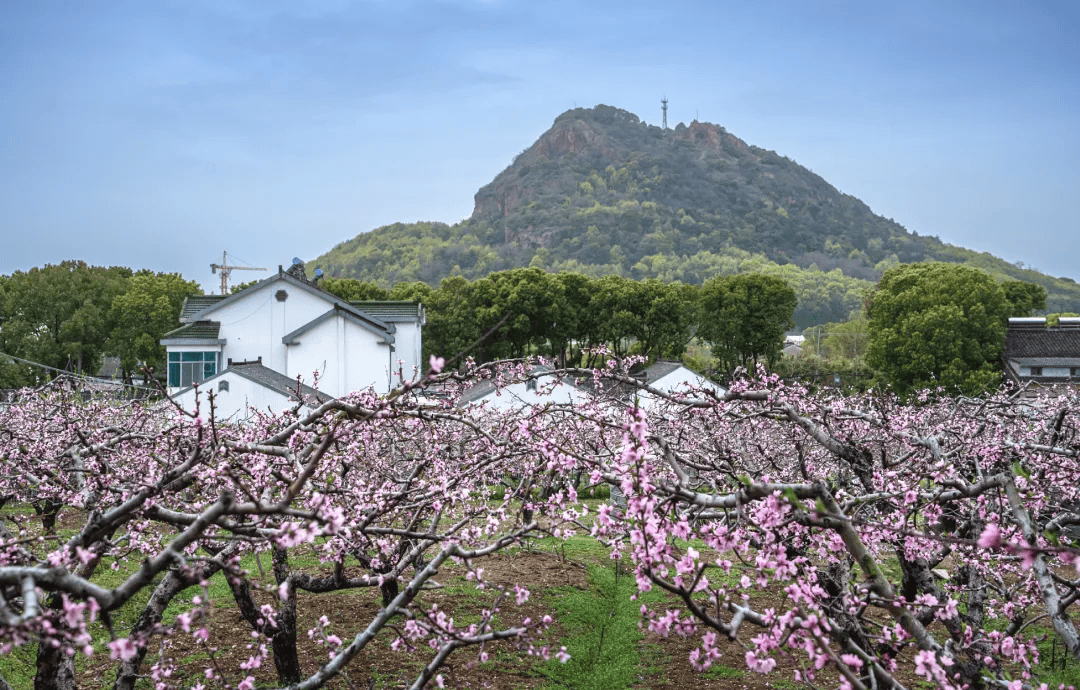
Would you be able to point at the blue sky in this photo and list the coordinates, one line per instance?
(156, 134)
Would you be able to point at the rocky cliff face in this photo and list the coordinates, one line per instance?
(602, 136)
(568, 136)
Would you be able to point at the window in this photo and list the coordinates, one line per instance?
(1036, 371)
(186, 368)
(1074, 371)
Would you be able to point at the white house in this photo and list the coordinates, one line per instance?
(250, 348)
(517, 395)
(675, 379)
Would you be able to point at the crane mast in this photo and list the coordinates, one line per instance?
(226, 269)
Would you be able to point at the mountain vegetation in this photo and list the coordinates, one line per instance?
(602, 193)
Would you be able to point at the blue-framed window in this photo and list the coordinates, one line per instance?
(186, 368)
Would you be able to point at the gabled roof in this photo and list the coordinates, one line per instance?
(392, 311)
(1042, 342)
(377, 327)
(202, 330)
(659, 370)
(486, 387)
(266, 377)
(196, 304)
(255, 371)
(211, 303)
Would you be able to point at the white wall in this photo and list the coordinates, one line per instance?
(407, 347)
(517, 395)
(347, 356)
(679, 382)
(253, 326)
(233, 404)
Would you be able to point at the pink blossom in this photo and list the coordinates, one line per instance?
(990, 537)
(123, 649)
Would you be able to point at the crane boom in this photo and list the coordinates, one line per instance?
(226, 269)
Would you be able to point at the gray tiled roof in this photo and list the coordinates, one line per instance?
(1042, 342)
(659, 370)
(196, 306)
(193, 305)
(202, 330)
(265, 376)
(390, 312)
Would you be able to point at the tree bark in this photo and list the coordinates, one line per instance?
(55, 669)
(172, 584)
(283, 642)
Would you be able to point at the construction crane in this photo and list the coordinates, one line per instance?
(226, 269)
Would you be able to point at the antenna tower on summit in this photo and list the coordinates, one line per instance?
(663, 104)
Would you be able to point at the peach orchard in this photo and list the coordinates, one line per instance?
(930, 539)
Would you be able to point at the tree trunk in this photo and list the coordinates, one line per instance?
(55, 669)
(172, 584)
(283, 641)
(48, 509)
(282, 637)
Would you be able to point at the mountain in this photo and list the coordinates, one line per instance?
(603, 192)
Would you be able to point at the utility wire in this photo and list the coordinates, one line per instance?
(71, 373)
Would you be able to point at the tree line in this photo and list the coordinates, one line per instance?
(924, 325)
(69, 316)
(574, 318)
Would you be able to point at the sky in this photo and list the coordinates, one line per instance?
(160, 134)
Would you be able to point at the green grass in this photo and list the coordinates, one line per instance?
(1055, 667)
(19, 666)
(602, 634)
(720, 671)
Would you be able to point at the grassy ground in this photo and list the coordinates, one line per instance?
(574, 580)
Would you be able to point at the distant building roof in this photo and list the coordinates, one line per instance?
(194, 305)
(255, 371)
(201, 330)
(792, 350)
(1042, 342)
(197, 308)
(391, 311)
(366, 321)
(659, 370)
(266, 377)
(487, 386)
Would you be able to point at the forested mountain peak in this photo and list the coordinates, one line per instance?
(602, 192)
(742, 195)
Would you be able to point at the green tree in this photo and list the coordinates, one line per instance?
(451, 320)
(744, 318)
(60, 315)
(617, 305)
(149, 308)
(667, 320)
(353, 290)
(847, 340)
(1023, 297)
(575, 322)
(528, 298)
(937, 325)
